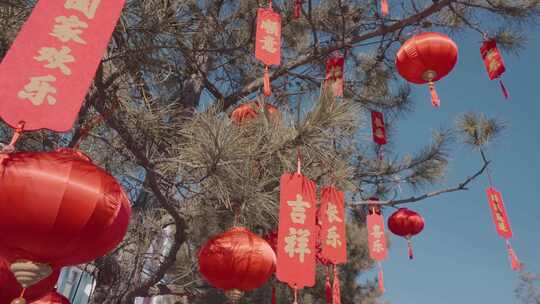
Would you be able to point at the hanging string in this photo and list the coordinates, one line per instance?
(514, 261)
(336, 292)
(270, 4)
(328, 286)
(16, 135)
(504, 90)
(435, 101)
(381, 277)
(274, 301)
(295, 295)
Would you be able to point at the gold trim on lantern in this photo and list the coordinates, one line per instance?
(234, 295)
(29, 273)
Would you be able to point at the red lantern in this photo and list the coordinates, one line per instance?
(251, 110)
(237, 261)
(406, 223)
(58, 209)
(427, 58)
(52, 297)
(10, 289)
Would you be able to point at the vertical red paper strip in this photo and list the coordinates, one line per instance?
(47, 71)
(492, 59)
(297, 234)
(268, 37)
(333, 234)
(379, 130)
(335, 69)
(498, 212)
(378, 249)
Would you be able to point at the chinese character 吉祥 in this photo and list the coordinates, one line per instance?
(297, 243)
(298, 213)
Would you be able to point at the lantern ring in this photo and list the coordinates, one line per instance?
(234, 295)
(29, 273)
(429, 75)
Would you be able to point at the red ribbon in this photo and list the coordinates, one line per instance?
(336, 292)
(297, 9)
(381, 277)
(410, 248)
(514, 261)
(267, 90)
(328, 287)
(504, 90)
(274, 301)
(435, 101)
(384, 7)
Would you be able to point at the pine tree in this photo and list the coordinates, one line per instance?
(173, 72)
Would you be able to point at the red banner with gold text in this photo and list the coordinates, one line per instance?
(379, 130)
(492, 59)
(46, 74)
(498, 212)
(333, 234)
(297, 234)
(268, 37)
(376, 237)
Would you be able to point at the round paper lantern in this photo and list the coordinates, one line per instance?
(58, 209)
(251, 110)
(52, 297)
(406, 223)
(427, 58)
(237, 261)
(10, 289)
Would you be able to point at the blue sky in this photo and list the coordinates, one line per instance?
(459, 256)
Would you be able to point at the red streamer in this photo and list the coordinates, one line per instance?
(381, 277)
(384, 7)
(504, 90)
(336, 292)
(410, 249)
(274, 301)
(435, 101)
(516, 264)
(328, 287)
(267, 90)
(297, 9)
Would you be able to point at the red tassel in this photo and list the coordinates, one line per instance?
(267, 90)
(516, 264)
(381, 278)
(295, 296)
(410, 249)
(384, 7)
(504, 90)
(336, 292)
(328, 287)
(297, 9)
(274, 301)
(435, 101)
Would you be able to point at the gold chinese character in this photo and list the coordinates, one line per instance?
(379, 123)
(87, 7)
(38, 90)
(268, 44)
(336, 72)
(297, 243)
(332, 213)
(379, 133)
(332, 238)
(270, 27)
(492, 59)
(377, 246)
(56, 58)
(502, 226)
(298, 213)
(377, 232)
(69, 28)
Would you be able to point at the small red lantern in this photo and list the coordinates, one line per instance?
(52, 297)
(10, 289)
(58, 209)
(237, 261)
(251, 110)
(406, 223)
(427, 58)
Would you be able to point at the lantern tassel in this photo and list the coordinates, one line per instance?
(410, 248)
(274, 301)
(295, 296)
(384, 7)
(435, 101)
(336, 292)
(381, 278)
(328, 287)
(516, 264)
(267, 90)
(504, 90)
(297, 9)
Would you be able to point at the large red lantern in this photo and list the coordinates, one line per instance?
(58, 209)
(406, 223)
(52, 297)
(251, 110)
(427, 58)
(10, 289)
(237, 261)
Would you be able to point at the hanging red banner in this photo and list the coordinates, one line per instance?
(335, 66)
(333, 233)
(47, 71)
(379, 130)
(498, 213)
(297, 233)
(378, 249)
(268, 37)
(492, 59)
